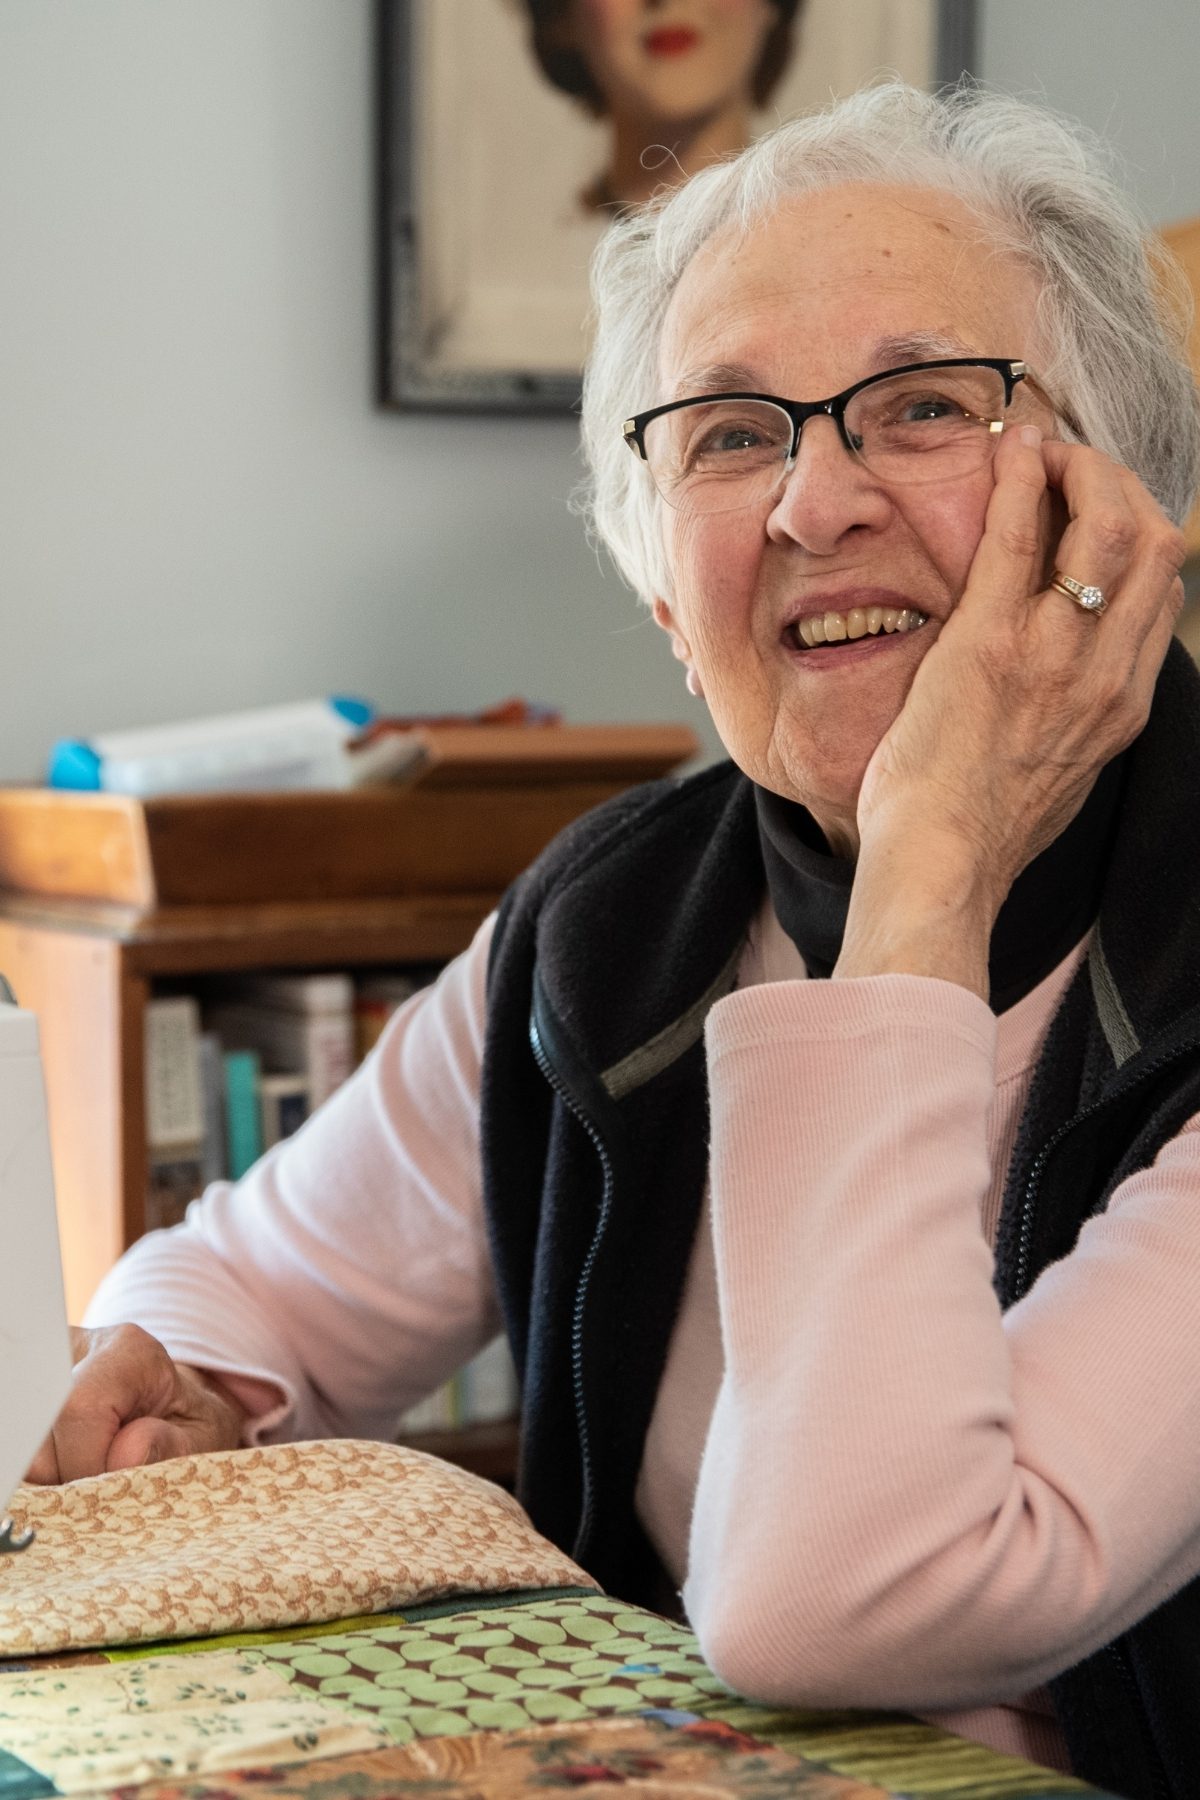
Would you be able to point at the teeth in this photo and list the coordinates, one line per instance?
(835, 627)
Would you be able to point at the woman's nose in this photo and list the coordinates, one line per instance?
(826, 493)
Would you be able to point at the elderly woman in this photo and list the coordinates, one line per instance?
(865, 1308)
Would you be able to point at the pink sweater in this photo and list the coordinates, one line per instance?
(874, 1488)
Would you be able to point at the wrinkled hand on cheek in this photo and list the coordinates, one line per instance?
(1054, 518)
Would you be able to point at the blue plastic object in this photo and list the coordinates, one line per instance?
(358, 713)
(74, 765)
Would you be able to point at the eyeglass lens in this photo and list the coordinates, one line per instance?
(933, 425)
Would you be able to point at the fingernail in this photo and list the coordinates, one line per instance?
(1031, 437)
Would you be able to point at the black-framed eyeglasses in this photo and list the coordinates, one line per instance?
(922, 422)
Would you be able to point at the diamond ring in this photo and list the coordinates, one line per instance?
(1090, 598)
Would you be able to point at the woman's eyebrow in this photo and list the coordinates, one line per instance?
(917, 346)
(887, 353)
(715, 378)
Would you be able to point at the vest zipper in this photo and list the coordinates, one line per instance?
(1028, 1205)
(1025, 1237)
(584, 1533)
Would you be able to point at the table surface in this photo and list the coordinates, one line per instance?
(489, 1697)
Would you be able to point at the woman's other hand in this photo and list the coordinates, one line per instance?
(1014, 710)
(131, 1404)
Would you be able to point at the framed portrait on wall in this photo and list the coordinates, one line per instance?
(511, 136)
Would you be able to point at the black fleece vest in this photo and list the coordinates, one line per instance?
(608, 954)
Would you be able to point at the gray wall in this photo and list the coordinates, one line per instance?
(199, 506)
(1127, 68)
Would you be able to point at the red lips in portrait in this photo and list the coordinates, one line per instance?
(671, 40)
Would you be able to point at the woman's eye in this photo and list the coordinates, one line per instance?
(730, 438)
(927, 406)
(738, 443)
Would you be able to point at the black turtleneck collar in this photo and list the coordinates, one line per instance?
(1051, 904)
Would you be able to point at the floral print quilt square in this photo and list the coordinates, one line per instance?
(646, 1757)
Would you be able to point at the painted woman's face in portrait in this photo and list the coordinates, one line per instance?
(672, 61)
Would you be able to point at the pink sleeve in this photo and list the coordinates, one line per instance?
(349, 1268)
(907, 1499)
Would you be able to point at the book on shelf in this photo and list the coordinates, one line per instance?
(172, 1183)
(377, 997)
(174, 1110)
(283, 1104)
(297, 1024)
(438, 1411)
(483, 1391)
(174, 1107)
(489, 1385)
(243, 1122)
(214, 1153)
(236, 1070)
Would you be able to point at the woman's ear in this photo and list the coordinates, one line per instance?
(664, 617)
(680, 648)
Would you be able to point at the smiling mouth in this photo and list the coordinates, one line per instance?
(816, 629)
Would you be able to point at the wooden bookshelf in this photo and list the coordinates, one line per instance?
(1183, 241)
(88, 969)
(103, 899)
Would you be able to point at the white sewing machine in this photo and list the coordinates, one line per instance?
(35, 1354)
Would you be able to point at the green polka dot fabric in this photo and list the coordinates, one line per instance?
(566, 1660)
(466, 1689)
(506, 1668)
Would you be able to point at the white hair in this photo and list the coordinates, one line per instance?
(1112, 315)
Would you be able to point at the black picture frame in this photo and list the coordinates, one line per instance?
(412, 375)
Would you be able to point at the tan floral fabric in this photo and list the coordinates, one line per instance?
(122, 1724)
(245, 1540)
